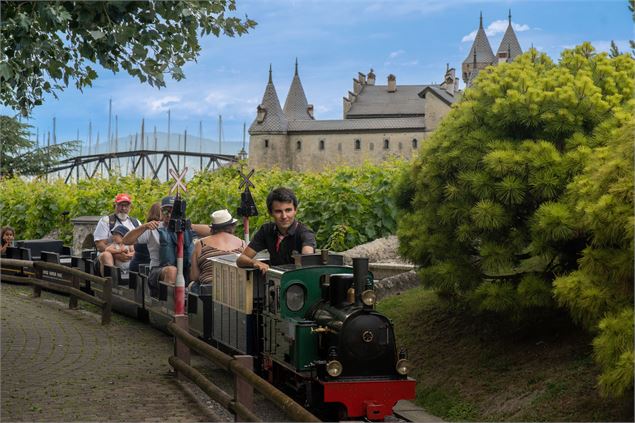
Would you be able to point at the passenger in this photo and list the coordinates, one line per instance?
(221, 241)
(162, 245)
(7, 235)
(283, 237)
(141, 253)
(117, 247)
(103, 237)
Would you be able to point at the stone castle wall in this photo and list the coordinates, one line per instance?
(317, 151)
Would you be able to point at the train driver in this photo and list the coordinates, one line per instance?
(283, 237)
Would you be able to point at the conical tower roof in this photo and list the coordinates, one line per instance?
(509, 43)
(296, 106)
(481, 45)
(274, 119)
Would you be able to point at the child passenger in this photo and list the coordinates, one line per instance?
(118, 247)
(7, 236)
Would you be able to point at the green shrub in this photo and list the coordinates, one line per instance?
(344, 206)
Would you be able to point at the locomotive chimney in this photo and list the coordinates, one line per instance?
(360, 274)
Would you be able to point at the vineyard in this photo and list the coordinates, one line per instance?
(345, 207)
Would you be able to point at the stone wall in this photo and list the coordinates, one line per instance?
(83, 228)
(435, 111)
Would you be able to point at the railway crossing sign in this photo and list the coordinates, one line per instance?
(179, 183)
(246, 182)
(247, 204)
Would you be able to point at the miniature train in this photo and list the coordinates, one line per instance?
(310, 326)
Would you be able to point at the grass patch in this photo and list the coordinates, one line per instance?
(477, 368)
(446, 405)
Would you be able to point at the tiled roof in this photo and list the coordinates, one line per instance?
(345, 125)
(484, 52)
(275, 120)
(510, 43)
(296, 106)
(375, 100)
(443, 94)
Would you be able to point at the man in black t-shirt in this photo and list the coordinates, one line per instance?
(283, 237)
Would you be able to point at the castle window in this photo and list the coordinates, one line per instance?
(266, 143)
(321, 144)
(371, 146)
(298, 145)
(339, 147)
(358, 144)
(400, 146)
(386, 144)
(414, 143)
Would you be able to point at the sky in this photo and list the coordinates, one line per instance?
(332, 40)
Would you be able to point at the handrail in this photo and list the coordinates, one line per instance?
(16, 262)
(76, 276)
(60, 288)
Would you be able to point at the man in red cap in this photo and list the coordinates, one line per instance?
(102, 234)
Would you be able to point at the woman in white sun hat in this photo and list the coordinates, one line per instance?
(222, 241)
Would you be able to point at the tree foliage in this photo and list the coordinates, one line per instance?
(599, 293)
(20, 156)
(492, 209)
(48, 44)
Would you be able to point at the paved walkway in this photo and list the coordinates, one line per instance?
(62, 365)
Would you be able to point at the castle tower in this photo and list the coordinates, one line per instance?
(509, 47)
(479, 57)
(296, 106)
(268, 133)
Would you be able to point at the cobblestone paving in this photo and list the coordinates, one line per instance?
(62, 365)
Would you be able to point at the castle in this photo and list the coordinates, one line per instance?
(481, 55)
(379, 121)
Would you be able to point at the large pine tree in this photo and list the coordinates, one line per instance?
(485, 208)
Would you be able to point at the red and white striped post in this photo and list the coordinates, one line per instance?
(181, 350)
(246, 229)
(179, 289)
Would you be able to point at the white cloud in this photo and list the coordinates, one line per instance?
(495, 28)
(163, 104)
(394, 54)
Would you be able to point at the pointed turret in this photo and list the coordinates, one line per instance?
(296, 106)
(481, 49)
(270, 117)
(509, 47)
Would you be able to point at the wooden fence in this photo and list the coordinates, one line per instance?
(239, 404)
(31, 273)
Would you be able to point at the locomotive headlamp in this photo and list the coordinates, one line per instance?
(295, 297)
(334, 368)
(403, 367)
(369, 297)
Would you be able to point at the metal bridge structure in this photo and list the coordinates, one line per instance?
(143, 163)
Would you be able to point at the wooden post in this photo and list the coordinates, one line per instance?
(37, 291)
(181, 350)
(72, 301)
(107, 308)
(243, 391)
